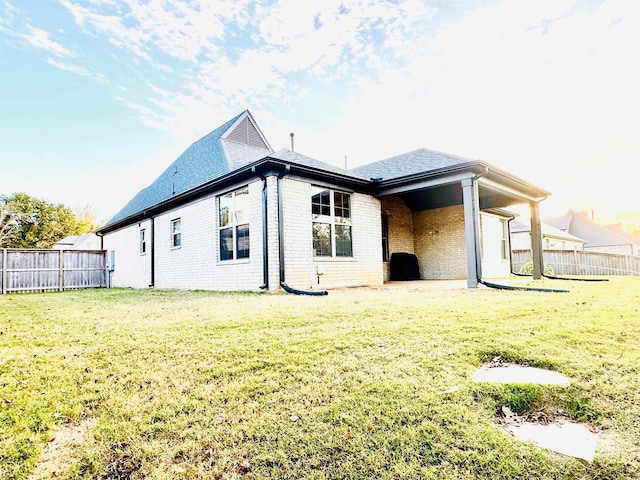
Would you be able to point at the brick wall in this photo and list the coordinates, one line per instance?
(400, 223)
(364, 268)
(132, 268)
(440, 243)
(195, 264)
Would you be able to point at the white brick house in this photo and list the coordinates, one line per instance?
(232, 214)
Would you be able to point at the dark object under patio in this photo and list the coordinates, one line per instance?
(403, 266)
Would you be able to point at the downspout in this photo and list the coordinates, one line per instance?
(152, 251)
(551, 277)
(286, 287)
(479, 260)
(511, 287)
(265, 249)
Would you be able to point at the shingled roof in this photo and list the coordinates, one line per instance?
(236, 143)
(595, 234)
(524, 225)
(290, 156)
(410, 163)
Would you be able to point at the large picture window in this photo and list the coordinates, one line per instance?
(331, 223)
(233, 212)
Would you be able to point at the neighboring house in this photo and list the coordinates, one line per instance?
(88, 241)
(552, 238)
(598, 238)
(232, 214)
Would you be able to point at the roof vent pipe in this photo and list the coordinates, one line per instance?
(291, 135)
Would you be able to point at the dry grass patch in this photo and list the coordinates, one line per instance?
(62, 450)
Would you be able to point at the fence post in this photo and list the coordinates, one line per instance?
(576, 261)
(4, 271)
(61, 273)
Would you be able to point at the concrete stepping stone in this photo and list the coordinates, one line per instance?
(565, 437)
(512, 373)
(568, 438)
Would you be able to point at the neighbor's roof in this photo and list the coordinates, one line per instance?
(595, 234)
(518, 226)
(70, 240)
(410, 163)
(235, 143)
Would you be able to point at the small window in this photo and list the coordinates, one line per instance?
(385, 238)
(331, 223)
(503, 239)
(233, 220)
(176, 236)
(143, 242)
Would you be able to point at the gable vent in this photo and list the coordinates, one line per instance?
(246, 132)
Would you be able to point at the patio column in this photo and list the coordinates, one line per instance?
(471, 230)
(536, 240)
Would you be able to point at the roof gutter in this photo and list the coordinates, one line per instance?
(440, 172)
(247, 172)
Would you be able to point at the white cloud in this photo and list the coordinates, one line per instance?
(546, 92)
(40, 39)
(78, 70)
(543, 89)
(242, 53)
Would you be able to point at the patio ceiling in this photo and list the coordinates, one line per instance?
(494, 191)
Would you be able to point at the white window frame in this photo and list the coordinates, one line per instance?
(143, 241)
(236, 220)
(176, 233)
(331, 215)
(504, 236)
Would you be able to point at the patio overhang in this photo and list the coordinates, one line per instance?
(496, 189)
(477, 187)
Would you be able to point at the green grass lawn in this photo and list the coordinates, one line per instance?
(345, 386)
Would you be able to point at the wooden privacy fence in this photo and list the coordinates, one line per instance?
(581, 262)
(29, 270)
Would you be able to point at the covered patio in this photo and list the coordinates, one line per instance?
(440, 214)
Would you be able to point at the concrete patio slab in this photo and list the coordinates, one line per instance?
(511, 373)
(573, 439)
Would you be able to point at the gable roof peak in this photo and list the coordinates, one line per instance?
(236, 142)
(245, 130)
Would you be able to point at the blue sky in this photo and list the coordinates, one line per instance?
(97, 97)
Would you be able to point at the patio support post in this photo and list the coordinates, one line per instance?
(471, 230)
(536, 240)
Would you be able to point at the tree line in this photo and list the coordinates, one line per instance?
(30, 222)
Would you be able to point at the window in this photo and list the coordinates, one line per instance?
(331, 223)
(503, 239)
(143, 242)
(233, 212)
(176, 236)
(385, 238)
